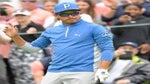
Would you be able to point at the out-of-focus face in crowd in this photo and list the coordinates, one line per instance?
(8, 7)
(29, 4)
(133, 10)
(49, 6)
(84, 6)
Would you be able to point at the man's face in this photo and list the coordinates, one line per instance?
(69, 17)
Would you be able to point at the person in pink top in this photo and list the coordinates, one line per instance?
(6, 9)
(38, 15)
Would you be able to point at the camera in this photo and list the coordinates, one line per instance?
(3, 12)
(126, 56)
(126, 13)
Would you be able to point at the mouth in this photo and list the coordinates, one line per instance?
(72, 19)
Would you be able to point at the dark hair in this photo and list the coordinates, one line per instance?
(132, 4)
(3, 12)
(91, 7)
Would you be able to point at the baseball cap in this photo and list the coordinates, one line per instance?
(21, 12)
(65, 6)
(7, 3)
(133, 44)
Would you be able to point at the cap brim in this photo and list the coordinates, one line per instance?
(68, 10)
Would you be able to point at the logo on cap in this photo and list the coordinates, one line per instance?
(66, 6)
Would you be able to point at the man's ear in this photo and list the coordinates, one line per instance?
(57, 17)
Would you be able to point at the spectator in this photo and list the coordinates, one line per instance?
(127, 68)
(117, 10)
(6, 75)
(8, 8)
(5, 16)
(48, 5)
(39, 68)
(38, 15)
(132, 15)
(87, 10)
(20, 60)
(3, 72)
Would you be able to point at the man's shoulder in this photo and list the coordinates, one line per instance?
(86, 23)
(54, 28)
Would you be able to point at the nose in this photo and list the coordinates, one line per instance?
(70, 16)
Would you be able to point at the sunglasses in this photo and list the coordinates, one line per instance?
(32, 1)
(68, 14)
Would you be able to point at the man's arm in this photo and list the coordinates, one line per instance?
(18, 40)
(105, 43)
(12, 32)
(34, 46)
(104, 40)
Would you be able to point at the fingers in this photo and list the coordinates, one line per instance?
(10, 30)
(8, 27)
(144, 48)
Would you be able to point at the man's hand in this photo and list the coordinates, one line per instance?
(101, 75)
(11, 30)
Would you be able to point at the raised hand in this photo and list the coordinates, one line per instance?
(11, 30)
(113, 4)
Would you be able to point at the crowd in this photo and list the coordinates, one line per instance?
(124, 51)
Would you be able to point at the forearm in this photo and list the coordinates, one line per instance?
(18, 40)
(29, 48)
(106, 59)
(104, 64)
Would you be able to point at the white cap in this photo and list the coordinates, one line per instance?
(7, 3)
(21, 12)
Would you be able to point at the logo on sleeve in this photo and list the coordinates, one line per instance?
(78, 35)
